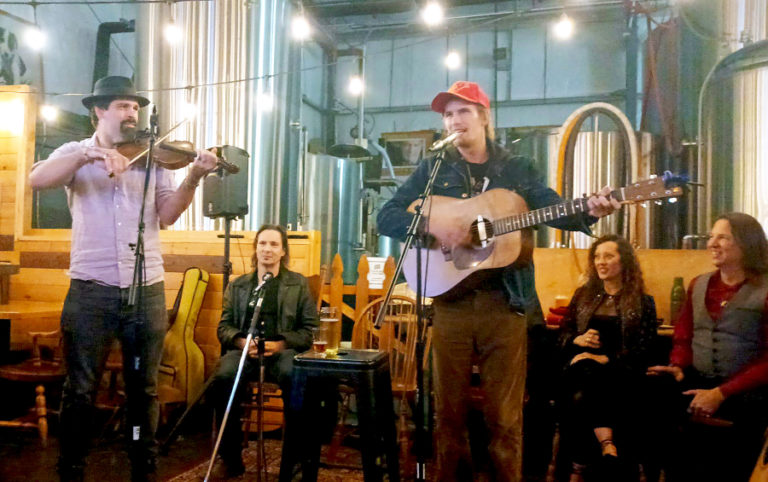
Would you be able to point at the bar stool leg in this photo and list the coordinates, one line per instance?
(370, 440)
(386, 420)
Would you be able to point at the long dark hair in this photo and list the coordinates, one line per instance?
(632, 285)
(283, 238)
(750, 237)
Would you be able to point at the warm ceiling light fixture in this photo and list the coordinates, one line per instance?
(300, 29)
(563, 28)
(453, 60)
(432, 14)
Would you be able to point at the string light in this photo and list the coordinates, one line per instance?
(265, 102)
(35, 38)
(49, 113)
(172, 33)
(300, 29)
(189, 110)
(355, 86)
(453, 60)
(432, 14)
(563, 28)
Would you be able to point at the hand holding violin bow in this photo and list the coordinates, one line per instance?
(168, 154)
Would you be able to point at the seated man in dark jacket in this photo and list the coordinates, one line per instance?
(289, 314)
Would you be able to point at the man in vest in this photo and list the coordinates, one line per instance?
(720, 353)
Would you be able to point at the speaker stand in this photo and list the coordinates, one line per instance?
(227, 268)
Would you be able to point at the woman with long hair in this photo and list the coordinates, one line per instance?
(607, 340)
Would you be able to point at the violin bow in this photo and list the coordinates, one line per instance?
(157, 141)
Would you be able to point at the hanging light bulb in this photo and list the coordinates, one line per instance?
(49, 113)
(265, 102)
(189, 110)
(432, 14)
(172, 33)
(300, 28)
(356, 85)
(453, 60)
(35, 38)
(563, 27)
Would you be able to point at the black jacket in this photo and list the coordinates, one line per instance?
(296, 310)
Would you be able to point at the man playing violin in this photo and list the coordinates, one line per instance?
(104, 195)
(484, 318)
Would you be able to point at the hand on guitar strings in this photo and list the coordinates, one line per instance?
(602, 204)
(427, 239)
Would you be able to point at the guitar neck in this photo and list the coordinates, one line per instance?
(528, 219)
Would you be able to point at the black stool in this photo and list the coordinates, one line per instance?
(368, 371)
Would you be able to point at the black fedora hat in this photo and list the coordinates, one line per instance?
(112, 87)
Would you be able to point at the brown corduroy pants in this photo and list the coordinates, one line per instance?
(479, 327)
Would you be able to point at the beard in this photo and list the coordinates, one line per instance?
(128, 129)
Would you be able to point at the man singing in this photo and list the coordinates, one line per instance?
(105, 197)
(483, 318)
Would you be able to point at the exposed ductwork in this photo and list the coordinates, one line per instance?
(103, 37)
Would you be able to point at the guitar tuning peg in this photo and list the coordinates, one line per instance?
(644, 205)
(672, 200)
(658, 202)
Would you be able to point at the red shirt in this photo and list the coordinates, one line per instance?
(753, 375)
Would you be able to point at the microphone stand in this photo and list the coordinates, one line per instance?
(422, 446)
(136, 290)
(256, 310)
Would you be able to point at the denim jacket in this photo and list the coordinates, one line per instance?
(515, 173)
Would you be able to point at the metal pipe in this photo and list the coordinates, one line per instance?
(103, 37)
(361, 101)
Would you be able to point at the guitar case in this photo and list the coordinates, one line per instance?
(760, 474)
(183, 365)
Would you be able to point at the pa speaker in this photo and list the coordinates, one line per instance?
(226, 194)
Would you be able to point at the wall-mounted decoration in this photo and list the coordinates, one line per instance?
(405, 149)
(18, 63)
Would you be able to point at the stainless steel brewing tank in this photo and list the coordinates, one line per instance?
(334, 207)
(734, 160)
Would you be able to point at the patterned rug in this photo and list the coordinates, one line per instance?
(347, 465)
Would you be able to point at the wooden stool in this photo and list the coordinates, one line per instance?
(273, 409)
(38, 371)
(368, 372)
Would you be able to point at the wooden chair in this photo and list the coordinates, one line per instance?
(273, 409)
(397, 336)
(39, 371)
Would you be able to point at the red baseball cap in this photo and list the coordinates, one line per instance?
(464, 90)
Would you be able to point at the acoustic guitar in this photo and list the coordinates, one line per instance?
(489, 230)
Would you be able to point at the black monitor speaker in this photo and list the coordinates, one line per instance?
(226, 194)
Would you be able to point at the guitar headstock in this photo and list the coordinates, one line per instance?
(655, 187)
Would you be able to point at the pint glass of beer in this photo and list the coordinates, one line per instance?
(329, 319)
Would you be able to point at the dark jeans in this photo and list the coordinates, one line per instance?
(93, 315)
(277, 368)
(704, 453)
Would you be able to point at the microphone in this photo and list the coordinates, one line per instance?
(443, 143)
(264, 280)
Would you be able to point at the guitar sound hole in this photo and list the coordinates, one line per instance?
(476, 233)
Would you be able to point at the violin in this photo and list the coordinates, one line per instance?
(168, 154)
